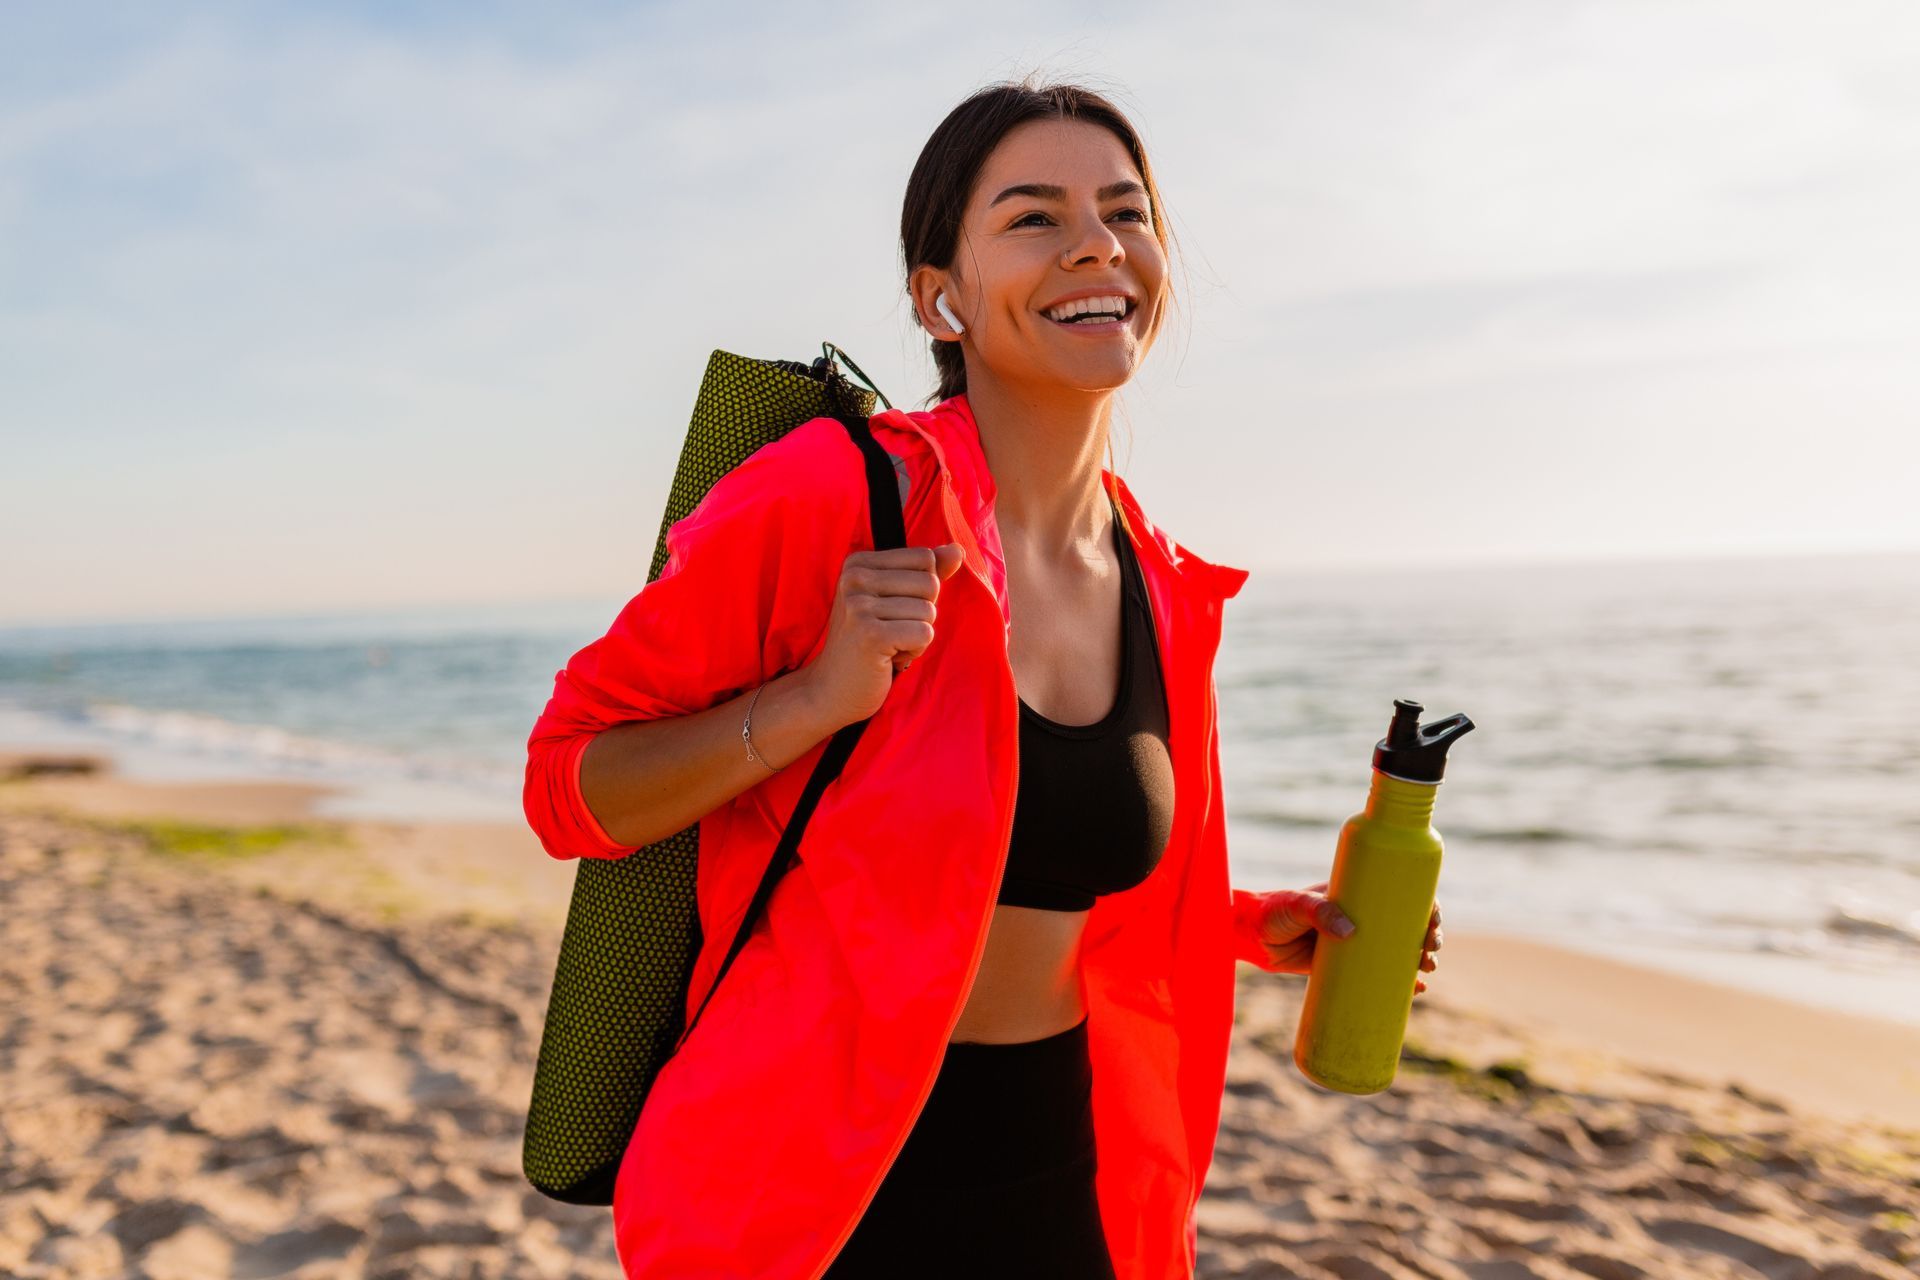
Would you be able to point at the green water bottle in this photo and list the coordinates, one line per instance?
(1385, 871)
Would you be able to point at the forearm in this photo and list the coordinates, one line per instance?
(646, 780)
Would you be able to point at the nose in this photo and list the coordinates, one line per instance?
(1096, 243)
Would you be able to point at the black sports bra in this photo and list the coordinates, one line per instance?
(1095, 805)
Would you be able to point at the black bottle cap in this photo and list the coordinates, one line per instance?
(1415, 752)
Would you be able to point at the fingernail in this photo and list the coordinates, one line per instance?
(1343, 926)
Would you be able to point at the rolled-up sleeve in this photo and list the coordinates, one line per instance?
(744, 596)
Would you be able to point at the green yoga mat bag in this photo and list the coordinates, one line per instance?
(620, 987)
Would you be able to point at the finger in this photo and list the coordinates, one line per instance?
(948, 558)
(898, 558)
(1295, 956)
(902, 608)
(1428, 963)
(889, 581)
(1418, 986)
(1295, 911)
(1284, 916)
(905, 635)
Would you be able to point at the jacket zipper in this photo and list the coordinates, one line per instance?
(973, 967)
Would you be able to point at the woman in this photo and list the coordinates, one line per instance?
(983, 1027)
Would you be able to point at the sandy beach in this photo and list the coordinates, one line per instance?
(243, 1041)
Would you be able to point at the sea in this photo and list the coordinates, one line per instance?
(1709, 766)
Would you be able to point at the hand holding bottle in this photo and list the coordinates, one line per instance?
(1295, 918)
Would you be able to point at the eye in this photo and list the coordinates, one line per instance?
(1139, 215)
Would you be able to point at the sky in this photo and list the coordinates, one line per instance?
(311, 307)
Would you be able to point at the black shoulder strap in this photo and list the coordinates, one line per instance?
(889, 523)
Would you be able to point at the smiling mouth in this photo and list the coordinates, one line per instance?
(1095, 319)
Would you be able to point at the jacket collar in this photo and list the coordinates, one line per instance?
(953, 435)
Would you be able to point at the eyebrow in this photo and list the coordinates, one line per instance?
(1047, 191)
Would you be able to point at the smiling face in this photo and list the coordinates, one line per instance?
(1058, 214)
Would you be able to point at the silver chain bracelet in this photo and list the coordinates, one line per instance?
(746, 728)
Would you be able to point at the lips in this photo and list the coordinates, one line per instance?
(1094, 326)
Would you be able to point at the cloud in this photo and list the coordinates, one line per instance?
(349, 282)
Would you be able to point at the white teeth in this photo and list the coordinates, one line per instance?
(1112, 303)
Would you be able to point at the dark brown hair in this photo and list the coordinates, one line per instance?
(949, 165)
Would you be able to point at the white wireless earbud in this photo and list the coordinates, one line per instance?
(940, 305)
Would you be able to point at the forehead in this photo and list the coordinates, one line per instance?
(1069, 153)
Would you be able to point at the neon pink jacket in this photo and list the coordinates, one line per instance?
(768, 1133)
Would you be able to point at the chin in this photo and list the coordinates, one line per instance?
(1098, 375)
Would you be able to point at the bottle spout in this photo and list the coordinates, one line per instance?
(1415, 752)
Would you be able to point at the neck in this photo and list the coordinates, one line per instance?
(1044, 451)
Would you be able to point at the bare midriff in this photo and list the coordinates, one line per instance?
(1028, 984)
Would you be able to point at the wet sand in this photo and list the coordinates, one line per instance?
(308, 1054)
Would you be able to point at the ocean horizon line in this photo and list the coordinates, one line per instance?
(1314, 572)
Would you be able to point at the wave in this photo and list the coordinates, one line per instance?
(204, 737)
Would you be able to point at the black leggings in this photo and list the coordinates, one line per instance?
(996, 1178)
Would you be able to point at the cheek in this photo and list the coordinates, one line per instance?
(1014, 276)
(1156, 280)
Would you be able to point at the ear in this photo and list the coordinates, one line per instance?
(926, 284)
